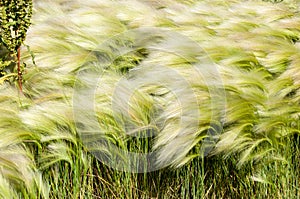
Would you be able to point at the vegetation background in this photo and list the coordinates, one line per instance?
(255, 45)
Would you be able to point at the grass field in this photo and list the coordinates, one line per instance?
(180, 72)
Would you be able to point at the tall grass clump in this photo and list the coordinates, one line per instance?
(254, 46)
(19, 174)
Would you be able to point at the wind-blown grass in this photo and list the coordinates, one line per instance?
(18, 171)
(256, 49)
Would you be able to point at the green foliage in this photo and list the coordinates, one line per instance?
(14, 21)
(256, 47)
(6, 61)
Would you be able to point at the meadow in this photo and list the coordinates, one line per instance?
(210, 87)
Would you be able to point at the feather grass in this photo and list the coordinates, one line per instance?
(254, 44)
(254, 52)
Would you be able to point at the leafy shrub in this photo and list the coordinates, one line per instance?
(14, 22)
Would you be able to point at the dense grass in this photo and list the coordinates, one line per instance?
(202, 178)
(256, 50)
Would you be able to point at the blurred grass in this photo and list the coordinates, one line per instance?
(256, 47)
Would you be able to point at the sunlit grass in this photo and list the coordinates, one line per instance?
(256, 49)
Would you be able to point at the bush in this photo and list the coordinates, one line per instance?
(14, 21)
